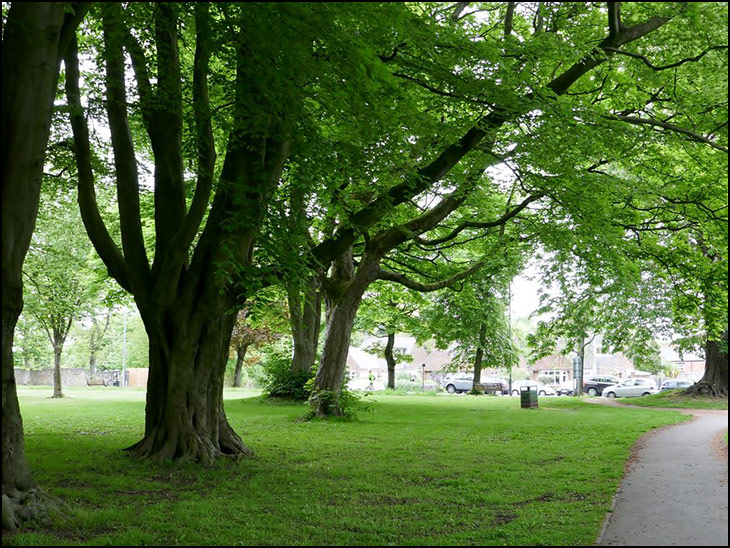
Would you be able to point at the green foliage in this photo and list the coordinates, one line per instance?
(346, 405)
(277, 379)
(469, 317)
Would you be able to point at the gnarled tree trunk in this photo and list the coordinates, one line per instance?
(343, 292)
(184, 416)
(34, 35)
(714, 381)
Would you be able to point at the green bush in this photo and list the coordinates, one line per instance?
(277, 379)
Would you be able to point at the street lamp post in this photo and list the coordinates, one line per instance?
(423, 377)
(124, 351)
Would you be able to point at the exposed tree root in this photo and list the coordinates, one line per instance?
(189, 447)
(22, 506)
(706, 389)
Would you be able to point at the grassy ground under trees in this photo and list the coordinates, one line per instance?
(412, 470)
(677, 399)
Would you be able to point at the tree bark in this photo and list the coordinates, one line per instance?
(240, 355)
(343, 293)
(57, 351)
(390, 360)
(184, 415)
(305, 311)
(33, 37)
(714, 381)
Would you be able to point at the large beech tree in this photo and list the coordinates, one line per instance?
(203, 267)
(34, 38)
(185, 303)
(524, 106)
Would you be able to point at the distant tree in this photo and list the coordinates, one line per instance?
(258, 323)
(60, 282)
(471, 318)
(386, 310)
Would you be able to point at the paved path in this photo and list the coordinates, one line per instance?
(675, 491)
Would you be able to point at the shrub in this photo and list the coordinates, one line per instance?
(277, 379)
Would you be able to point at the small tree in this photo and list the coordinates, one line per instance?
(260, 322)
(388, 309)
(60, 283)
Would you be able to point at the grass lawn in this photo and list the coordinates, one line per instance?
(446, 470)
(678, 400)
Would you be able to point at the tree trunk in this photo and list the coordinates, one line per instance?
(92, 364)
(331, 372)
(305, 322)
(240, 355)
(57, 388)
(478, 360)
(390, 360)
(714, 381)
(184, 416)
(343, 300)
(32, 37)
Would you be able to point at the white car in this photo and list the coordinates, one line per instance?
(542, 390)
(630, 388)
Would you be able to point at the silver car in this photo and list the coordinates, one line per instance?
(459, 382)
(630, 388)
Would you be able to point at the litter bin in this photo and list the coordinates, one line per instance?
(528, 396)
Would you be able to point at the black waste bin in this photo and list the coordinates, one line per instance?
(528, 396)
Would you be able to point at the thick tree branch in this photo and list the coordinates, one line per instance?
(95, 227)
(166, 131)
(124, 157)
(509, 17)
(671, 127)
(475, 224)
(204, 137)
(425, 177)
(434, 286)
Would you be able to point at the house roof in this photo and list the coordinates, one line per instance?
(359, 359)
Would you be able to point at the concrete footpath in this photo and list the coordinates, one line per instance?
(675, 491)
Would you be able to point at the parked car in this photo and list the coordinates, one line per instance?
(458, 382)
(630, 388)
(464, 382)
(564, 391)
(594, 386)
(542, 389)
(674, 384)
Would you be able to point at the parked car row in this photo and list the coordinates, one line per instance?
(597, 385)
(463, 382)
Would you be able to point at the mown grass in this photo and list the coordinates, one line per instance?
(679, 400)
(447, 470)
